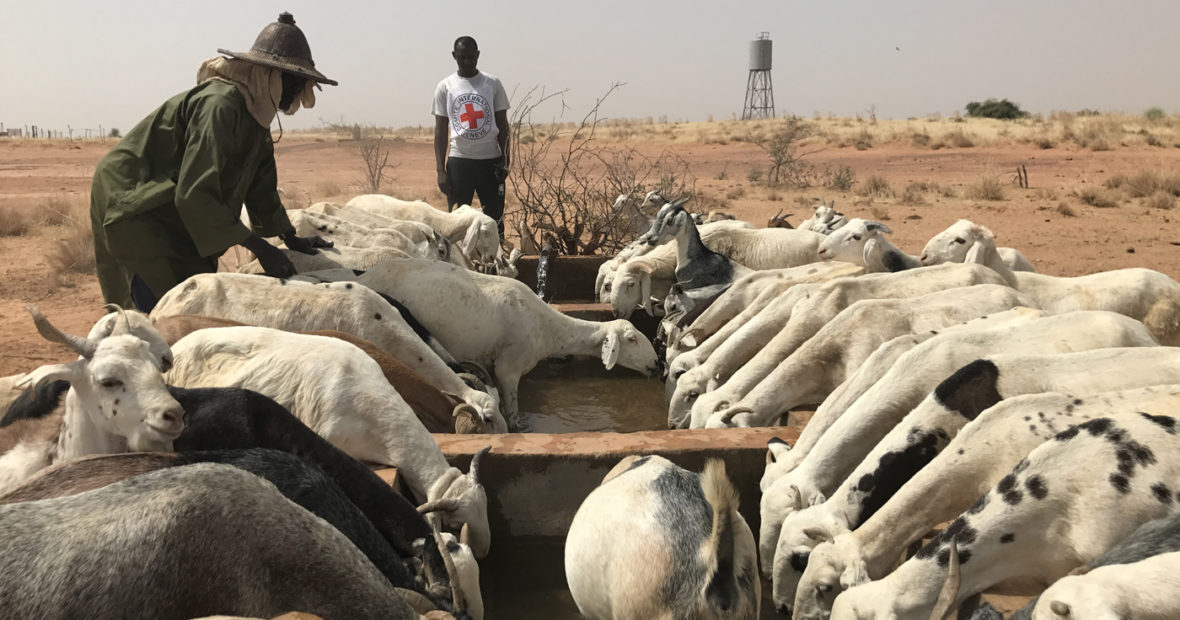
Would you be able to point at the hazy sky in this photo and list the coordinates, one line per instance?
(86, 63)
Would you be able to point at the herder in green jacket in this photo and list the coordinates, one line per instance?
(167, 200)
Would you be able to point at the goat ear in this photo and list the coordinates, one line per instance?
(610, 350)
(468, 242)
(776, 449)
(688, 339)
(856, 573)
(817, 534)
(981, 253)
(645, 293)
(798, 497)
(872, 251)
(1060, 608)
(878, 226)
(817, 499)
(53, 372)
(981, 230)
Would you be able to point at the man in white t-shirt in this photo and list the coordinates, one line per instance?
(471, 134)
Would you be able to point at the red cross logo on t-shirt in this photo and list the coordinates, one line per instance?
(471, 116)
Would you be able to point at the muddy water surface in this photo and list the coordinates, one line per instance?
(574, 395)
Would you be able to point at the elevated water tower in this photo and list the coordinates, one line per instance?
(759, 90)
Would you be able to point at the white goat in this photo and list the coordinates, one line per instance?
(344, 306)
(501, 323)
(657, 541)
(825, 220)
(958, 241)
(1143, 294)
(344, 232)
(476, 233)
(640, 279)
(1144, 590)
(959, 399)
(1049, 516)
(862, 242)
(850, 438)
(418, 232)
(116, 371)
(353, 406)
(818, 304)
(979, 456)
(337, 257)
(810, 373)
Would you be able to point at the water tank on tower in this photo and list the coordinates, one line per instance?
(759, 89)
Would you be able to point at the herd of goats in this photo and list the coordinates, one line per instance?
(210, 458)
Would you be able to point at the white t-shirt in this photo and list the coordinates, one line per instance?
(471, 105)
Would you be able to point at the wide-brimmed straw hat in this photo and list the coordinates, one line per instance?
(281, 45)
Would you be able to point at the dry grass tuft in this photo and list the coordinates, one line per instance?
(875, 186)
(57, 211)
(913, 194)
(1064, 209)
(879, 214)
(13, 222)
(1045, 193)
(1145, 183)
(989, 187)
(1160, 200)
(72, 250)
(1099, 197)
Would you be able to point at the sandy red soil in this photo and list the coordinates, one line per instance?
(314, 169)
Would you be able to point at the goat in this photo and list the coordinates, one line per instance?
(353, 407)
(119, 371)
(476, 234)
(965, 237)
(515, 329)
(302, 483)
(345, 306)
(1142, 294)
(1061, 496)
(825, 220)
(438, 412)
(822, 362)
(924, 432)
(862, 242)
(1153, 539)
(818, 304)
(655, 541)
(850, 438)
(700, 272)
(169, 544)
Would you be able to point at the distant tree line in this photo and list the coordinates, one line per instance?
(1002, 109)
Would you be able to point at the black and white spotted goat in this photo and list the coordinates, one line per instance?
(1051, 514)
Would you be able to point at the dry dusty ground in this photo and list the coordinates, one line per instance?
(36, 175)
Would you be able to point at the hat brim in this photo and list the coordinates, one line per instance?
(276, 62)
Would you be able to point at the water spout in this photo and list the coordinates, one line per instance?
(543, 268)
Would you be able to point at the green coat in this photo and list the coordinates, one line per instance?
(171, 191)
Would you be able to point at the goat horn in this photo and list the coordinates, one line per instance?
(82, 346)
(465, 535)
(475, 461)
(950, 588)
(448, 504)
(727, 417)
(122, 324)
(449, 562)
(416, 600)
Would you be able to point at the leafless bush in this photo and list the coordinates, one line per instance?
(566, 183)
(787, 164)
(989, 187)
(374, 152)
(875, 186)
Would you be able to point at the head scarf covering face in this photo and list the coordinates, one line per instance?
(261, 86)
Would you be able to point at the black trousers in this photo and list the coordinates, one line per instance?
(469, 177)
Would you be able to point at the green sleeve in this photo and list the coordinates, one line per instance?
(267, 214)
(212, 223)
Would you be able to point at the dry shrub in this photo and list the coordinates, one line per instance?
(1099, 134)
(875, 186)
(1064, 209)
(957, 138)
(13, 222)
(1044, 143)
(56, 211)
(72, 250)
(879, 214)
(863, 140)
(989, 187)
(1160, 200)
(920, 138)
(913, 194)
(1145, 183)
(736, 192)
(1099, 197)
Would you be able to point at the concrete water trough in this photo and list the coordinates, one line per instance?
(580, 420)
